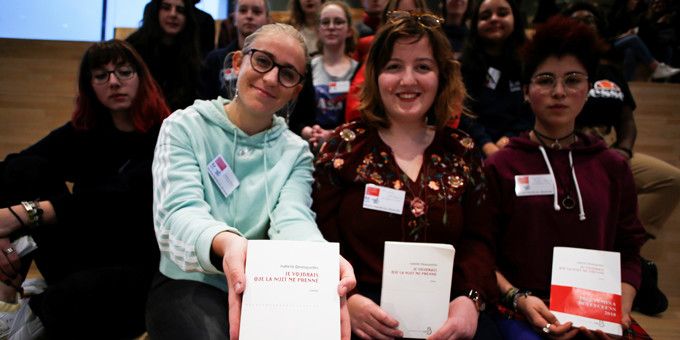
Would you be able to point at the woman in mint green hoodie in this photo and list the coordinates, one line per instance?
(224, 172)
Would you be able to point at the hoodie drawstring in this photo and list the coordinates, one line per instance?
(233, 166)
(582, 214)
(266, 180)
(554, 181)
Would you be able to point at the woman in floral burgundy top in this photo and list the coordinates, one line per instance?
(402, 142)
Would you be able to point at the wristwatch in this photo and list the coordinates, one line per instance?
(477, 299)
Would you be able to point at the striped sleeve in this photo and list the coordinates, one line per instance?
(182, 220)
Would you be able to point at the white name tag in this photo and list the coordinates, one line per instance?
(384, 199)
(222, 175)
(492, 77)
(338, 86)
(534, 185)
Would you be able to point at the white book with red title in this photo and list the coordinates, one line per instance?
(586, 288)
(291, 291)
(416, 285)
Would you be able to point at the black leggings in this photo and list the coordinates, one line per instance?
(185, 309)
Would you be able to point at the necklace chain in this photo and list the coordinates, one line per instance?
(555, 141)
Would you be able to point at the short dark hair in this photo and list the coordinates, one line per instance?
(561, 36)
(148, 109)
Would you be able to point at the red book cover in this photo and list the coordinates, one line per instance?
(586, 288)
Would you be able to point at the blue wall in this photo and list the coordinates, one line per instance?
(78, 20)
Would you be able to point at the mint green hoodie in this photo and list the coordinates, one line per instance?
(273, 200)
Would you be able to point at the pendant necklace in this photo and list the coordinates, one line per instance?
(555, 141)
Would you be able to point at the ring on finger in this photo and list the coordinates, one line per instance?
(546, 329)
(9, 250)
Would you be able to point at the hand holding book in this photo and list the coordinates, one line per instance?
(539, 316)
(370, 321)
(461, 322)
(232, 248)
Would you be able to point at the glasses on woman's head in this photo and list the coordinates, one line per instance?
(572, 82)
(262, 62)
(100, 77)
(425, 19)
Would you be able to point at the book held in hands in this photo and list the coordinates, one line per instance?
(586, 288)
(416, 285)
(291, 291)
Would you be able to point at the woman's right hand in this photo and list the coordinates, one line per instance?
(233, 248)
(369, 321)
(539, 316)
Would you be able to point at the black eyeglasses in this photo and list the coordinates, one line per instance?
(425, 19)
(100, 77)
(262, 62)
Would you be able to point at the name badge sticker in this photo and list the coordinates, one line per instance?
(222, 175)
(492, 77)
(384, 199)
(338, 86)
(534, 185)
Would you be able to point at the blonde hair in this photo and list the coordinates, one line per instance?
(275, 28)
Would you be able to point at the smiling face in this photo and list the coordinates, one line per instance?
(115, 94)
(409, 81)
(556, 107)
(261, 93)
(249, 16)
(172, 17)
(334, 28)
(496, 21)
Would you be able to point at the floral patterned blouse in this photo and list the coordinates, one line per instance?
(445, 204)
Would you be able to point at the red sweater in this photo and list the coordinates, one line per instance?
(529, 227)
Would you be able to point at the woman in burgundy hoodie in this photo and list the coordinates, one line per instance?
(554, 187)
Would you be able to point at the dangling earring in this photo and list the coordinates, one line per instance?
(235, 94)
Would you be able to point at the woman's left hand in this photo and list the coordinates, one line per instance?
(462, 320)
(539, 316)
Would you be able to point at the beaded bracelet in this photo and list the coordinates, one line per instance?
(515, 299)
(34, 212)
(509, 296)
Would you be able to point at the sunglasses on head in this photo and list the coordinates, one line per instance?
(425, 19)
